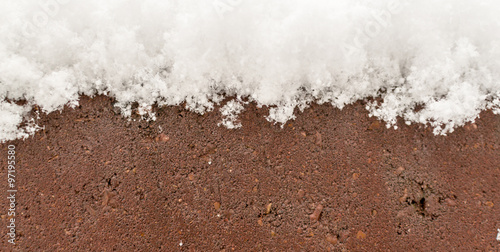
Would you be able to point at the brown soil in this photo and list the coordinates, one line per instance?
(330, 180)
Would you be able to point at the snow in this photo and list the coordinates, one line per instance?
(442, 56)
(230, 113)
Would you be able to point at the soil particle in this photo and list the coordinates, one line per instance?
(399, 170)
(332, 239)
(471, 127)
(268, 208)
(375, 125)
(344, 236)
(361, 235)
(301, 193)
(355, 176)
(404, 198)
(450, 202)
(162, 138)
(108, 199)
(314, 217)
(431, 205)
(319, 139)
(216, 206)
(90, 210)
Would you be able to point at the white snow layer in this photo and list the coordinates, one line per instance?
(434, 62)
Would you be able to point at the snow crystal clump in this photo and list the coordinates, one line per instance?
(11, 115)
(230, 113)
(434, 62)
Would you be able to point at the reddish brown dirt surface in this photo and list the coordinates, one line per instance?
(329, 181)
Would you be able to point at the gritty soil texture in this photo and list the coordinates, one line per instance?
(331, 180)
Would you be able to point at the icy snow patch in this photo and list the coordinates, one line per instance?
(440, 56)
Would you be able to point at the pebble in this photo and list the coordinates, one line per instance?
(268, 208)
(319, 140)
(399, 170)
(217, 205)
(162, 138)
(374, 125)
(471, 126)
(360, 235)
(317, 213)
(450, 202)
(331, 239)
(355, 176)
